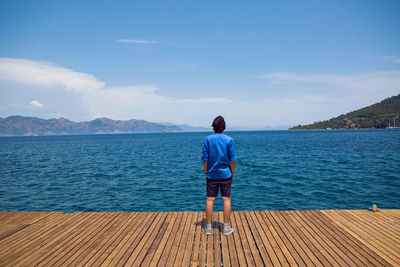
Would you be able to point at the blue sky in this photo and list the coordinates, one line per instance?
(257, 63)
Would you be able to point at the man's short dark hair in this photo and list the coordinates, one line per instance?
(218, 124)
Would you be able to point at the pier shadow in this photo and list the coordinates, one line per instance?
(214, 224)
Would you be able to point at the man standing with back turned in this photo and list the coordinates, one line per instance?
(219, 158)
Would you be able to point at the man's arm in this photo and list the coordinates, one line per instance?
(205, 165)
(233, 165)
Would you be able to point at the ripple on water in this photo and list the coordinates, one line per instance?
(154, 172)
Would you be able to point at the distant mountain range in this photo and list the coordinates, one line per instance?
(19, 126)
(380, 115)
(186, 128)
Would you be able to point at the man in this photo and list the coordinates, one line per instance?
(219, 158)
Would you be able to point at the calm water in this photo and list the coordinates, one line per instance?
(276, 170)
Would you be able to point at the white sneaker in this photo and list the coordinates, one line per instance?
(206, 230)
(227, 231)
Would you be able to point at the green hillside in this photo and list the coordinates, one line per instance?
(378, 115)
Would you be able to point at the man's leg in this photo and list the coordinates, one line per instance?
(227, 209)
(209, 209)
(226, 197)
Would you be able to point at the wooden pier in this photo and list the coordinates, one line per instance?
(270, 238)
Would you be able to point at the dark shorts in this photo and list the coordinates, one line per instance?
(214, 184)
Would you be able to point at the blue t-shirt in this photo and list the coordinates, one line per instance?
(218, 151)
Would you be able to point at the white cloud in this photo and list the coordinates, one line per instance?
(204, 100)
(381, 81)
(36, 104)
(190, 65)
(394, 59)
(145, 102)
(288, 98)
(77, 93)
(136, 41)
(46, 75)
(305, 98)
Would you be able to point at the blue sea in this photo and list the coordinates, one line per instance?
(276, 170)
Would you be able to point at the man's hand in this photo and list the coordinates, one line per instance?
(233, 165)
(205, 166)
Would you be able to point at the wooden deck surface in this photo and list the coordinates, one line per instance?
(278, 238)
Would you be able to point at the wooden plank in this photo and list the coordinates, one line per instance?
(28, 239)
(243, 240)
(339, 248)
(348, 228)
(91, 241)
(71, 237)
(10, 218)
(100, 245)
(393, 213)
(182, 245)
(312, 252)
(379, 222)
(20, 218)
(98, 258)
(335, 235)
(189, 242)
(130, 246)
(7, 216)
(142, 219)
(171, 238)
(321, 239)
(387, 214)
(292, 238)
(292, 250)
(259, 252)
(139, 253)
(13, 219)
(96, 224)
(328, 238)
(380, 239)
(177, 240)
(392, 221)
(134, 250)
(34, 217)
(37, 249)
(196, 246)
(210, 245)
(224, 244)
(273, 239)
(237, 242)
(203, 245)
(249, 236)
(217, 240)
(266, 251)
(6, 227)
(282, 249)
(11, 229)
(153, 260)
(386, 222)
(365, 238)
(373, 225)
(231, 247)
(16, 218)
(306, 234)
(361, 250)
(51, 242)
(15, 242)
